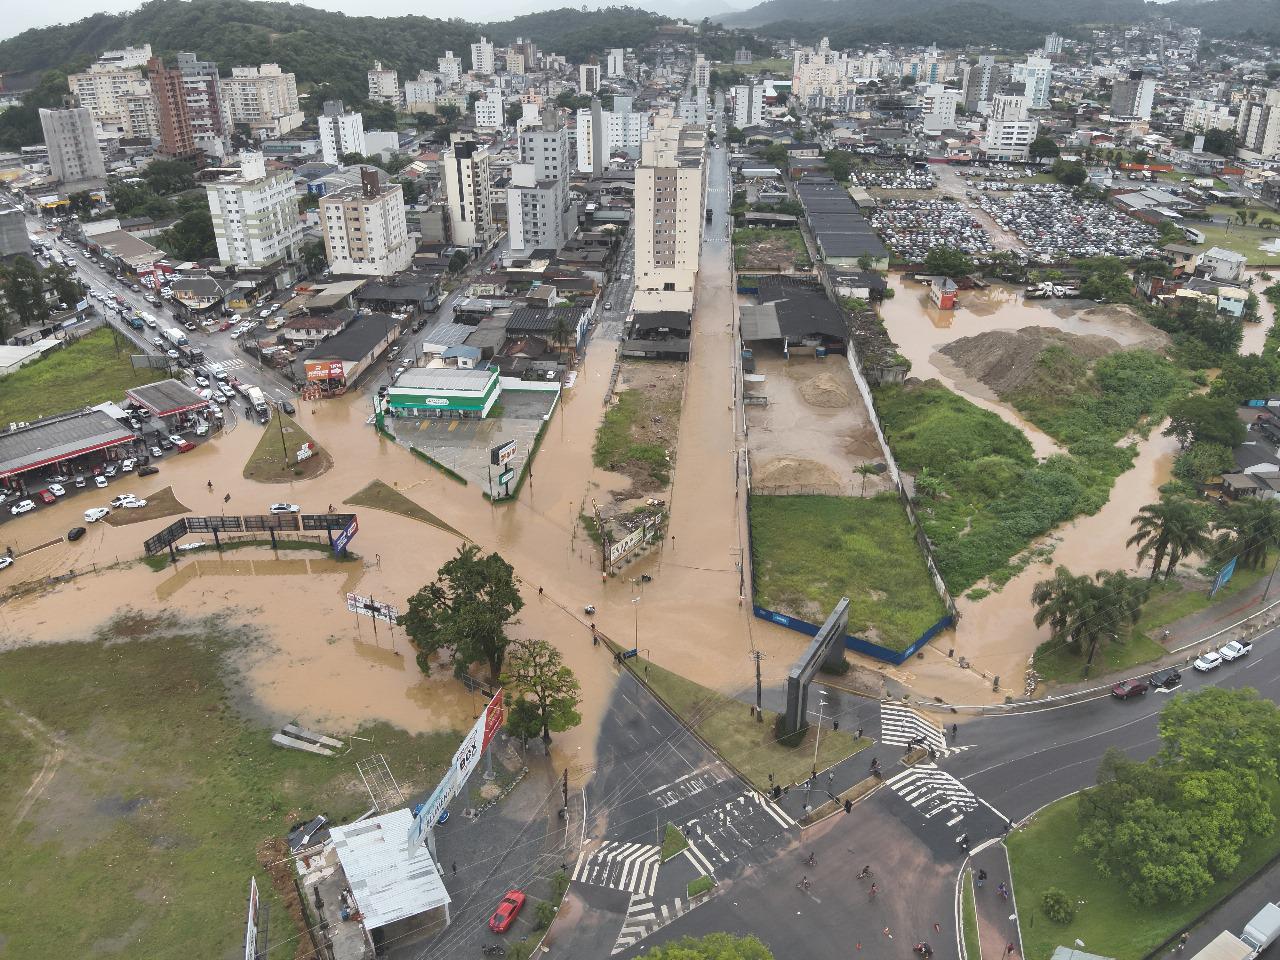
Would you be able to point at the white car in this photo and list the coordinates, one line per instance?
(157, 452)
(100, 482)
(128, 465)
(1235, 649)
(121, 500)
(22, 506)
(6, 562)
(202, 428)
(176, 440)
(57, 489)
(134, 504)
(205, 394)
(201, 382)
(1208, 661)
(96, 514)
(283, 508)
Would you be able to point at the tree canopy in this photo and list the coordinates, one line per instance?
(537, 675)
(1205, 419)
(948, 262)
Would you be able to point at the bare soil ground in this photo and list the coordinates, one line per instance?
(1005, 360)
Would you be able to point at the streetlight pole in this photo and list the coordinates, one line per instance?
(817, 739)
(635, 604)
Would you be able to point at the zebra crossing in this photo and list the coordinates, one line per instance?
(931, 792)
(900, 725)
(234, 363)
(630, 867)
(645, 917)
(727, 829)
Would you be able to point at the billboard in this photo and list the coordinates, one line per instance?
(368, 607)
(251, 928)
(170, 534)
(430, 811)
(341, 540)
(502, 453)
(325, 370)
(1224, 575)
(327, 521)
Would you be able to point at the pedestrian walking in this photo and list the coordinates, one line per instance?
(1182, 940)
(1003, 891)
(872, 891)
(955, 730)
(982, 878)
(831, 776)
(455, 867)
(211, 486)
(859, 733)
(1008, 951)
(539, 591)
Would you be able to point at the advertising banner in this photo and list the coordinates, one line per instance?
(251, 929)
(368, 607)
(436, 804)
(325, 370)
(502, 453)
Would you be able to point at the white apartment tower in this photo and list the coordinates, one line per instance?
(464, 168)
(482, 57)
(1133, 96)
(1201, 116)
(450, 69)
(119, 98)
(748, 105)
(538, 198)
(701, 72)
(420, 94)
(670, 196)
(938, 107)
(366, 232)
(72, 139)
(265, 98)
(616, 63)
(1009, 131)
(489, 111)
(601, 132)
(206, 111)
(588, 78)
(979, 84)
(255, 215)
(1037, 74)
(1052, 44)
(341, 132)
(1258, 125)
(384, 85)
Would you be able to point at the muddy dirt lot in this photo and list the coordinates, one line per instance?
(814, 433)
(638, 435)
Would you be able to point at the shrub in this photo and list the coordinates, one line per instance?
(787, 739)
(1057, 906)
(545, 913)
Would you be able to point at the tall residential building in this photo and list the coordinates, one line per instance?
(938, 107)
(693, 109)
(177, 138)
(366, 232)
(1258, 124)
(482, 60)
(264, 98)
(1037, 74)
(670, 196)
(202, 88)
(979, 83)
(588, 78)
(538, 198)
(1133, 95)
(341, 132)
(384, 85)
(422, 93)
(820, 72)
(119, 98)
(1052, 44)
(601, 132)
(489, 111)
(701, 72)
(129, 57)
(616, 64)
(1009, 131)
(1201, 116)
(464, 168)
(255, 215)
(450, 68)
(72, 139)
(748, 105)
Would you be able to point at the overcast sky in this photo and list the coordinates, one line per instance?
(22, 16)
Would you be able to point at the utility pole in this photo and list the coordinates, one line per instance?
(757, 656)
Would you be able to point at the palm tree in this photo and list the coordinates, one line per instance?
(1169, 530)
(1252, 527)
(1085, 611)
(1060, 602)
(1115, 605)
(560, 330)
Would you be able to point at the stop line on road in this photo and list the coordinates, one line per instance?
(630, 867)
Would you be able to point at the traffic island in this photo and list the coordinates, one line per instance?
(162, 503)
(285, 453)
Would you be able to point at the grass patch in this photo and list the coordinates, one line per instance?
(620, 443)
(162, 795)
(1059, 663)
(762, 248)
(994, 497)
(809, 551)
(1043, 855)
(673, 841)
(93, 369)
(969, 920)
(275, 460)
(1243, 240)
(162, 503)
(1171, 600)
(701, 885)
(379, 496)
(749, 745)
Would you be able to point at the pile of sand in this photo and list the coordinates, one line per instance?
(790, 475)
(824, 390)
(1005, 360)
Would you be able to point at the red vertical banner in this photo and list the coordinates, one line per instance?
(494, 714)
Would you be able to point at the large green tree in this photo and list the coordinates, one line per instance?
(537, 674)
(714, 946)
(1086, 612)
(1222, 729)
(1205, 419)
(1168, 530)
(1250, 527)
(464, 612)
(948, 262)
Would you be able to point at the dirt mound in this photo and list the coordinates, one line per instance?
(1005, 360)
(824, 390)
(792, 475)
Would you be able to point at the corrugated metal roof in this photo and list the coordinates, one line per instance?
(389, 880)
(443, 378)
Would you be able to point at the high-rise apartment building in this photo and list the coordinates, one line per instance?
(489, 111)
(820, 72)
(482, 60)
(264, 98)
(1201, 116)
(588, 78)
(341, 132)
(1132, 96)
(1052, 44)
(701, 75)
(173, 120)
(1009, 132)
(384, 85)
(202, 87)
(600, 132)
(116, 93)
(979, 83)
(748, 105)
(538, 198)
(366, 232)
(450, 68)
(1037, 74)
(938, 107)
(670, 196)
(72, 139)
(421, 94)
(464, 168)
(128, 57)
(616, 63)
(1258, 124)
(255, 216)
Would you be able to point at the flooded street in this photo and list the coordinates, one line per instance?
(1255, 334)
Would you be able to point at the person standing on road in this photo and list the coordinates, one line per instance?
(1182, 940)
(955, 730)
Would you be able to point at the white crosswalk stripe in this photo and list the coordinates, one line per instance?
(900, 725)
(644, 917)
(687, 786)
(632, 867)
(932, 791)
(234, 363)
(700, 863)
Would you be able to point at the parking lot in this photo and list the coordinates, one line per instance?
(912, 228)
(463, 445)
(1052, 224)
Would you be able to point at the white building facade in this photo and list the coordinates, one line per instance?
(72, 139)
(670, 197)
(341, 132)
(366, 232)
(255, 216)
(384, 85)
(748, 105)
(265, 98)
(482, 57)
(464, 169)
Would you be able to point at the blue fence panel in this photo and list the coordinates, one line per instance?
(857, 644)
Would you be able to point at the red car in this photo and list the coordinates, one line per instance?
(506, 913)
(1129, 688)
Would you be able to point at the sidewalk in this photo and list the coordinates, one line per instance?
(997, 922)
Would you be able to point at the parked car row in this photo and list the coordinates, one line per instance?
(1171, 678)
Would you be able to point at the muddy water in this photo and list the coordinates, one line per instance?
(920, 330)
(1255, 334)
